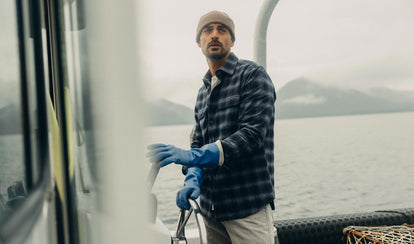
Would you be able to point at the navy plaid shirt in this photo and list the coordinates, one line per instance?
(239, 112)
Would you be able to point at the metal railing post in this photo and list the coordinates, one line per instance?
(260, 34)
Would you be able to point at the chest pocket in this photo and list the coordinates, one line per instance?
(228, 115)
(229, 102)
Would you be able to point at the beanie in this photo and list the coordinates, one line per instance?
(215, 17)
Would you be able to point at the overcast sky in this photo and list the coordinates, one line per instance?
(355, 43)
(347, 43)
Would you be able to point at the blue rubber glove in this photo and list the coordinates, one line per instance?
(204, 157)
(191, 189)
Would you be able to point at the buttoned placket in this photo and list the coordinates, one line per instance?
(214, 82)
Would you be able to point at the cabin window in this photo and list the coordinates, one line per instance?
(12, 167)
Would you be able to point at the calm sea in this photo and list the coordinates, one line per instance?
(324, 166)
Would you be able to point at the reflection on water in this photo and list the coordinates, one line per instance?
(11, 166)
(11, 161)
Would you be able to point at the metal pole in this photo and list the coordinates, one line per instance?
(200, 221)
(260, 35)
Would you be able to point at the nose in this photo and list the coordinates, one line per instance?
(214, 34)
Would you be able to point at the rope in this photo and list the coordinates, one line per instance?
(379, 235)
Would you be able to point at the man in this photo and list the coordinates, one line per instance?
(231, 160)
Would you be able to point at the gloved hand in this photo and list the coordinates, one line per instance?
(204, 157)
(191, 189)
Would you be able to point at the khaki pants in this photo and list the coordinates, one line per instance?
(256, 228)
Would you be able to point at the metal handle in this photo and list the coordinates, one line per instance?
(200, 221)
(183, 219)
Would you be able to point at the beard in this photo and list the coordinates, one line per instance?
(215, 54)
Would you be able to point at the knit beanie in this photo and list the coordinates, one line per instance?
(215, 17)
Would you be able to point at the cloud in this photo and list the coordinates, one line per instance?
(393, 70)
(343, 43)
(305, 99)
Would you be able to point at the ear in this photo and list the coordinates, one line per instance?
(199, 45)
(232, 43)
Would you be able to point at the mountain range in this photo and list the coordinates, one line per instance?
(302, 98)
(299, 98)
(164, 112)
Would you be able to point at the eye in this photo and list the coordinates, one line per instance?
(207, 30)
(222, 29)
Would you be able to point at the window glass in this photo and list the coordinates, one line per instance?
(12, 169)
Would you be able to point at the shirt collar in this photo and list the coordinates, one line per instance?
(228, 68)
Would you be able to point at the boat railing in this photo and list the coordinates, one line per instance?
(260, 35)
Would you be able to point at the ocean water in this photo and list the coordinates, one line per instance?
(323, 166)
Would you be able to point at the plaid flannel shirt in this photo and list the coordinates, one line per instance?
(239, 112)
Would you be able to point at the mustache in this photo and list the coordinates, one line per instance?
(215, 42)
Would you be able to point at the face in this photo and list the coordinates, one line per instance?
(215, 41)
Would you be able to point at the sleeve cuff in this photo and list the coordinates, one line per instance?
(221, 157)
